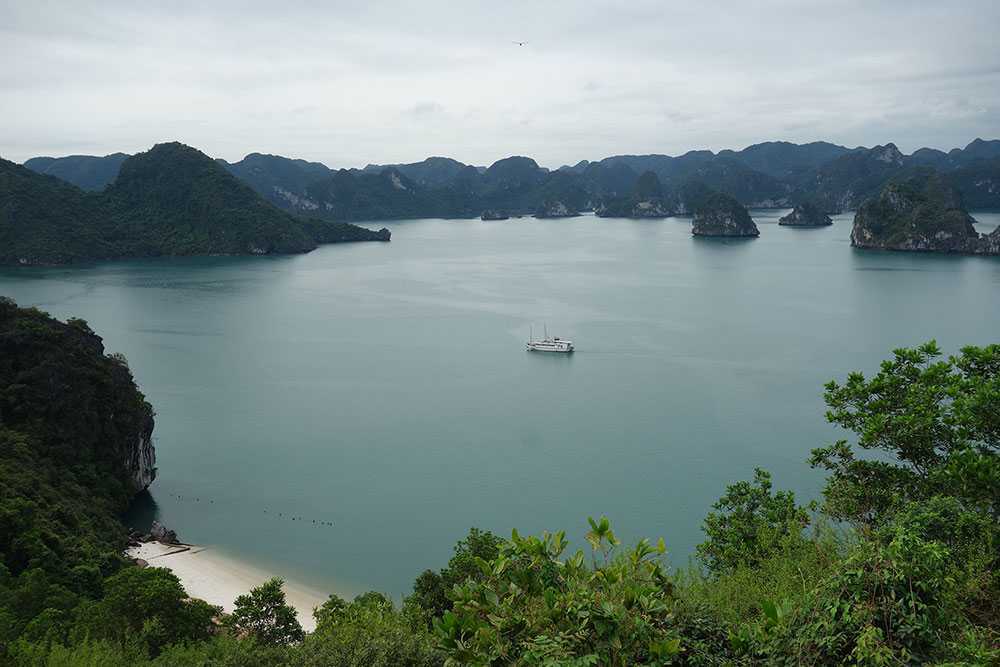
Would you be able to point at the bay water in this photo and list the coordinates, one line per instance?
(341, 418)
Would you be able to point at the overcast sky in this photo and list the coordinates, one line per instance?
(384, 81)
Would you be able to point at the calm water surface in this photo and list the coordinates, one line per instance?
(379, 397)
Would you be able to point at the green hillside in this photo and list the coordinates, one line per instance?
(170, 200)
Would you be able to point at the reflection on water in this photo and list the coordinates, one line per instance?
(142, 512)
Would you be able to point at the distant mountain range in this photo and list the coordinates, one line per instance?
(175, 200)
(170, 200)
(767, 175)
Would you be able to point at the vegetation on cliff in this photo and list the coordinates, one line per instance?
(807, 213)
(722, 215)
(645, 201)
(279, 180)
(924, 214)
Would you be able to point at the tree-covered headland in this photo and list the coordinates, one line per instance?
(897, 565)
(170, 200)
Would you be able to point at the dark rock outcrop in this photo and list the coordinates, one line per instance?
(722, 215)
(806, 214)
(162, 534)
(494, 214)
(904, 218)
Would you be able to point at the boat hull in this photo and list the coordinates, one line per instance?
(548, 346)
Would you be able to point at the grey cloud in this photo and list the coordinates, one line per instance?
(345, 83)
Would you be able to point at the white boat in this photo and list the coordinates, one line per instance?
(550, 344)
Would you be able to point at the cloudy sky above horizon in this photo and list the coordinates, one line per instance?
(348, 84)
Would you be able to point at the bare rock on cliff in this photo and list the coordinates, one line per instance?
(904, 218)
(690, 196)
(645, 201)
(554, 208)
(722, 215)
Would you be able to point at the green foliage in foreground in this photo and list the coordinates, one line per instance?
(752, 523)
(938, 424)
(430, 590)
(370, 631)
(533, 609)
(263, 616)
(898, 567)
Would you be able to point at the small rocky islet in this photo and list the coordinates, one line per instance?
(722, 215)
(806, 214)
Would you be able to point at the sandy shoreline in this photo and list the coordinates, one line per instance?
(217, 580)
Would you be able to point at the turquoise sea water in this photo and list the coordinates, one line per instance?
(380, 398)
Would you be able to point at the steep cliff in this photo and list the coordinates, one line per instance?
(722, 215)
(904, 218)
(645, 201)
(689, 197)
(80, 406)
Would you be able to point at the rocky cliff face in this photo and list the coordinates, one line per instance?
(494, 214)
(806, 214)
(888, 154)
(722, 215)
(554, 208)
(142, 464)
(991, 242)
(80, 405)
(904, 218)
(136, 444)
(649, 208)
(689, 197)
(645, 201)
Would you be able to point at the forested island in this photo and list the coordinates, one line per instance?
(170, 200)
(923, 214)
(897, 565)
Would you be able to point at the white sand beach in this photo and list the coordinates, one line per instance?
(219, 580)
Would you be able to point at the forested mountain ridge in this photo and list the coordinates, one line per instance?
(170, 200)
(84, 171)
(277, 179)
(766, 175)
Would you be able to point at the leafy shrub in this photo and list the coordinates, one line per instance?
(532, 608)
